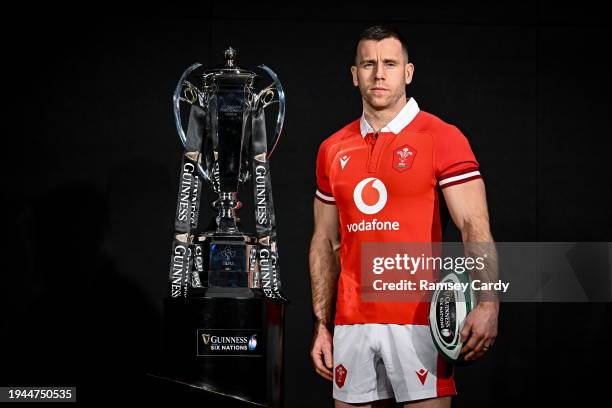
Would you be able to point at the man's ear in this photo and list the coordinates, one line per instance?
(409, 72)
(354, 73)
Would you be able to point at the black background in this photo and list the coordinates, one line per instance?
(92, 162)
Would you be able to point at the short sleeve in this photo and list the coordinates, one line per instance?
(323, 192)
(454, 161)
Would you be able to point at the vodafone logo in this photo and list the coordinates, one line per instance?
(370, 195)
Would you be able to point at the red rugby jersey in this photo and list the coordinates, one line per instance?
(393, 181)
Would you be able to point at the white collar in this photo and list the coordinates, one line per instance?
(399, 122)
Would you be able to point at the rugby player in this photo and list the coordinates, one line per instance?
(387, 169)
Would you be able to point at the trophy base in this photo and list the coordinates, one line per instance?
(236, 293)
(226, 260)
(231, 346)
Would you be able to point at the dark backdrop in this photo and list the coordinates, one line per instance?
(92, 160)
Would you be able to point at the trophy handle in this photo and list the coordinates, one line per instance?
(281, 107)
(176, 100)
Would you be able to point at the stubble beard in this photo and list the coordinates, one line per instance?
(382, 104)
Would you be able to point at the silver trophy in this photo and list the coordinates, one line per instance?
(225, 298)
(225, 145)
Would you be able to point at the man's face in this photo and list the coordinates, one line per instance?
(382, 72)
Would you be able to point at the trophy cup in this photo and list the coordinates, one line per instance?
(224, 315)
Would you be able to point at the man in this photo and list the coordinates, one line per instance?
(388, 165)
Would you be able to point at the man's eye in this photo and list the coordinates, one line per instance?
(390, 64)
(368, 65)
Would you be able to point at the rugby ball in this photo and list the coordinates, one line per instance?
(448, 309)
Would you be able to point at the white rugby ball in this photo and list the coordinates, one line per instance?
(447, 312)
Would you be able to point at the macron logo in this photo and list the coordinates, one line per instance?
(343, 160)
(422, 374)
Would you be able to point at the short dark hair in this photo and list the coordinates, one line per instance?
(379, 33)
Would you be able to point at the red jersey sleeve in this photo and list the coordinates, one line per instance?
(454, 161)
(323, 192)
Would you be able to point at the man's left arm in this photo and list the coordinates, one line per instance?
(467, 205)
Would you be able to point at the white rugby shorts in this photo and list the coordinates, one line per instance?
(380, 361)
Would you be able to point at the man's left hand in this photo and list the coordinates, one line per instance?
(479, 330)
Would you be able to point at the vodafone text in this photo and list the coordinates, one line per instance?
(373, 225)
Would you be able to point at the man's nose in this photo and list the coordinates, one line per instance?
(379, 71)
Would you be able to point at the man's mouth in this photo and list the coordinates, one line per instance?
(378, 90)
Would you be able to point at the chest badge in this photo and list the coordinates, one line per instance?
(403, 157)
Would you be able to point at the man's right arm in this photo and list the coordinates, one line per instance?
(324, 271)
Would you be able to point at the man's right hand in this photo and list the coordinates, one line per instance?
(321, 352)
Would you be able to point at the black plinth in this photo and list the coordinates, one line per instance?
(227, 345)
